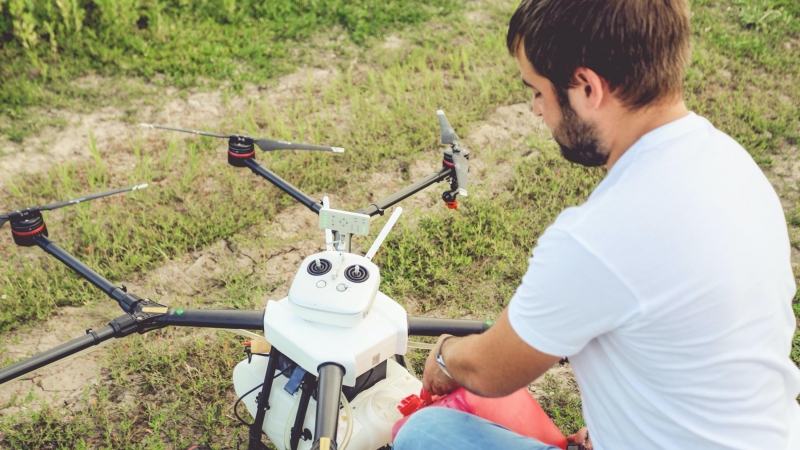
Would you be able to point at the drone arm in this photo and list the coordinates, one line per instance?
(124, 299)
(140, 321)
(329, 391)
(57, 353)
(120, 327)
(397, 197)
(209, 318)
(283, 185)
(429, 326)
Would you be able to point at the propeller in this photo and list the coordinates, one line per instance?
(24, 213)
(460, 154)
(264, 144)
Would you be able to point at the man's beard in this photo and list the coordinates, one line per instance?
(579, 140)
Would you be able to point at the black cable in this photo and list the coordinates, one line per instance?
(364, 383)
(282, 372)
(235, 412)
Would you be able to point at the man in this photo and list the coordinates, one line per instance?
(669, 289)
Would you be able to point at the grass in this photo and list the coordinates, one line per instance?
(482, 250)
(45, 45)
(458, 263)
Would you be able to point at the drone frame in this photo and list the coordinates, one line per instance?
(142, 315)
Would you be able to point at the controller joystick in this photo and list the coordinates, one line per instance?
(319, 267)
(356, 274)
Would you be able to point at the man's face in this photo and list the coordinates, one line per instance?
(579, 140)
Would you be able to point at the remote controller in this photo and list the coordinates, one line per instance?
(335, 288)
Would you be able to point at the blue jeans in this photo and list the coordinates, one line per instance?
(437, 428)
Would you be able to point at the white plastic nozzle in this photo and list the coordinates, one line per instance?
(384, 232)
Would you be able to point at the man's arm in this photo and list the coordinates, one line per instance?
(493, 364)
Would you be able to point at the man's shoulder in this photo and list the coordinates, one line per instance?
(674, 187)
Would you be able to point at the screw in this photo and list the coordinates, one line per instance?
(139, 318)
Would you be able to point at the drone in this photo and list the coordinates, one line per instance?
(335, 344)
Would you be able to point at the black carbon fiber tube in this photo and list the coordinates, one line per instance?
(283, 185)
(429, 326)
(54, 354)
(213, 318)
(80, 268)
(402, 194)
(329, 391)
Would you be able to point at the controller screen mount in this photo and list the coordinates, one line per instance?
(344, 221)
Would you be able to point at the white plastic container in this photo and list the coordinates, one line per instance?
(374, 410)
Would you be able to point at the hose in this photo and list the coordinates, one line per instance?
(350, 419)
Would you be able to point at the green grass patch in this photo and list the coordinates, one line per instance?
(389, 120)
(563, 404)
(121, 236)
(382, 111)
(45, 45)
(169, 389)
(744, 65)
(473, 259)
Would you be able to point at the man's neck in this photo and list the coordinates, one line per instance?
(632, 125)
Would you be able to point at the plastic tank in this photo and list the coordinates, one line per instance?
(374, 410)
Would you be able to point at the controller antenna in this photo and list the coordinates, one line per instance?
(326, 204)
(384, 232)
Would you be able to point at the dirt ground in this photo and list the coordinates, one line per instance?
(114, 128)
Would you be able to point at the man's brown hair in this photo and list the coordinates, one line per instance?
(640, 47)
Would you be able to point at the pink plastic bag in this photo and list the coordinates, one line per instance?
(518, 412)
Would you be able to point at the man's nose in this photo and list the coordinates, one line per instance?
(537, 108)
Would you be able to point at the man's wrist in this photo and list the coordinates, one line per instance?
(440, 357)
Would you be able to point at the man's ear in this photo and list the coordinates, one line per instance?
(590, 90)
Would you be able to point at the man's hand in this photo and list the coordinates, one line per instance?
(434, 380)
(581, 437)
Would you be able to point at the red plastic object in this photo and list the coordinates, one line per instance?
(518, 412)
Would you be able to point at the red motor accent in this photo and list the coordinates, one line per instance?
(239, 156)
(28, 233)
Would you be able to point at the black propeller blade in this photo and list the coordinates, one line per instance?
(264, 144)
(74, 201)
(201, 133)
(21, 214)
(449, 135)
(460, 154)
(269, 144)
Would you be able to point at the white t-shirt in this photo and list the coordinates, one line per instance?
(670, 290)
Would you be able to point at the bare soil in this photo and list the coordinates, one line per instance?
(497, 143)
(115, 127)
(198, 273)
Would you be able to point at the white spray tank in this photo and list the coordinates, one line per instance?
(335, 313)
